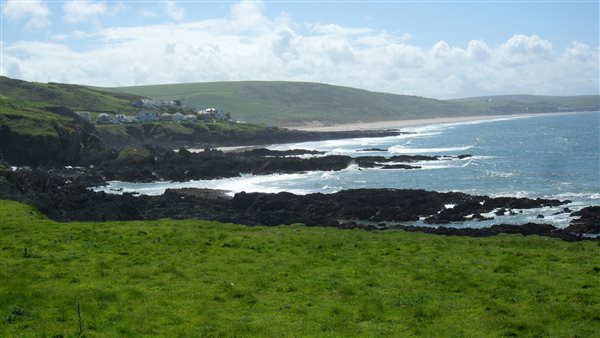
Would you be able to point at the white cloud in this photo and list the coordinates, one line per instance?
(35, 13)
(406, 37)
(146, 13)
(173, 11)
(523, 49)
(77, 11)
(331, 29)
(247, 45)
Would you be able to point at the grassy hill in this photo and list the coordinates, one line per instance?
(294, 103)
(38, 126)
(531, 103)
(74, 97)
(197, 278)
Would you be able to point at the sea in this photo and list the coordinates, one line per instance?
(548, 156)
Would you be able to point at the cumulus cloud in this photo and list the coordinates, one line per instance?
(523, 49)
(35, 13)
(247, 45)
(173, 11)
(76, 11)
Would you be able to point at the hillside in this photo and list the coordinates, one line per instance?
(34, 134)
(74, 97)
(510, 104)
(296, 103)
(38, 126)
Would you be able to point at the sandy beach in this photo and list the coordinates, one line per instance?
(394, 124)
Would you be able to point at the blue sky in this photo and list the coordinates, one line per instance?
(439, 49)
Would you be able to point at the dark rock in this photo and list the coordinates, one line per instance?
(261, 152)
(399, 166)
(588, 221)
(64, 195)
(371, 150)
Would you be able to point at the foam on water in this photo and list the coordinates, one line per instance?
(543, 156)
(404, 150)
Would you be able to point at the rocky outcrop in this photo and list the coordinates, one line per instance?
(68, 142)
(63, 195)
(587, 221)
(209, 164)
(201, 136)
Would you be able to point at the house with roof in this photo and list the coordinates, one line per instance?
(86, 115)
(104, 118)
(178, 117)
(121, 118)
(190, 118)
(145, 116)
(166, 117)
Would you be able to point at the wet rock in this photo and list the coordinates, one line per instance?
(261, 152)
(372, 149)
(64, 195)
(587, 221)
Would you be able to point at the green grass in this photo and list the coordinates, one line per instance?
(134, 154)
(165, 132)
(200, 278)
(531, 103)
(74, 97)
(28, 119)
(288, 103)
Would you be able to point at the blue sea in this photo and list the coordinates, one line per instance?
(547, 156)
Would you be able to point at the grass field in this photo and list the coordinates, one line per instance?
(531, 103)
(289, 103)
(200, 278)
(27, 119)
(74, 97)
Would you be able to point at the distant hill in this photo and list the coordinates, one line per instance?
(75, 97)
(297, 103)
(511, 104)
(38, 126)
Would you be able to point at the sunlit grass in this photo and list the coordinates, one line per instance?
(200, 278)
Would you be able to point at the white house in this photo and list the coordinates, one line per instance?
(190, 118)
(178, 117)
(145, 116)
(86, 115)
(104, 118)
(166, 117)
(121, 118)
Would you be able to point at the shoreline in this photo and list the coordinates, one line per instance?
(395, 124)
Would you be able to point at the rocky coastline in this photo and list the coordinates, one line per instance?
(64, 195)
(148, 164)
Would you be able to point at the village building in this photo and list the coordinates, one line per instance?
(104, 118)
(145, 116)
(86, 115)
(166, 117)
(178, 117)
(190, 118)
(213, 114)
(130, 119)
(121, 118)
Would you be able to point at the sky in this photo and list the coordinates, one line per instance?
(439, 49)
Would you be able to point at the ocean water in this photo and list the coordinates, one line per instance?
(549, 156)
